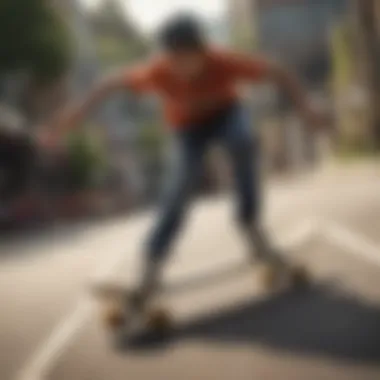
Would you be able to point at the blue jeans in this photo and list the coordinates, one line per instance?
(230, 128)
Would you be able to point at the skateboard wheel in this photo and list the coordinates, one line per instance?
(300, 277)
(270, 276)
(159, 320)
(113, 316)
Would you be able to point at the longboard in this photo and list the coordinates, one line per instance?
(121, 320)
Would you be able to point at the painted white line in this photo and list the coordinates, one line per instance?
(306, 230)
(287, 242)
(353, 242)
(52, 348)
(49, 352)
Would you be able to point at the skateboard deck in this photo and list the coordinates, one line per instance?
(123, 322)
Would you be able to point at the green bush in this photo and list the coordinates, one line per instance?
(86, 160)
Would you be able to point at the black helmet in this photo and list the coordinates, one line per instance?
(182, 32)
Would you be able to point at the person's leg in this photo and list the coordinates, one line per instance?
(184, 168)
(243, 148)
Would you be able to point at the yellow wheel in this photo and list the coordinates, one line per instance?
(270, 276)
(300, 277)
(113, 315)
(159, 320)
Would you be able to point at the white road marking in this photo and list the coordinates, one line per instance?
(353, 242)
(38, 367)
(300, 234)
(43, 360)
(52, 348)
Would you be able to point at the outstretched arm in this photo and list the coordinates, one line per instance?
(75, 113)
(253, 69)
(292, 86)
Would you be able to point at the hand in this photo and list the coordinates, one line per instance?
(48, 140)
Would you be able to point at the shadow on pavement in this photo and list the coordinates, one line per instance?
(319, 321)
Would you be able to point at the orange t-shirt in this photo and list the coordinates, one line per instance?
(190, 101)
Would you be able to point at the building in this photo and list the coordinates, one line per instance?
(296, 32)
(242, 23)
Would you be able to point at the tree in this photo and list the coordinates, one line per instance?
(117, 40)
(33, 38)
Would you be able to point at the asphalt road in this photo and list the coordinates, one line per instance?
(227, 327)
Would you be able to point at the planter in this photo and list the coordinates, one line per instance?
(76, 205)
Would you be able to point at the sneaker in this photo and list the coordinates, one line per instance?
(260, 247)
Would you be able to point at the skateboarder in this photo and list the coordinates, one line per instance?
(197, 84)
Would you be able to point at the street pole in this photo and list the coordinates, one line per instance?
(368, 19)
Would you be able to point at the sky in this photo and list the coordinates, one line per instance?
(148, 14)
